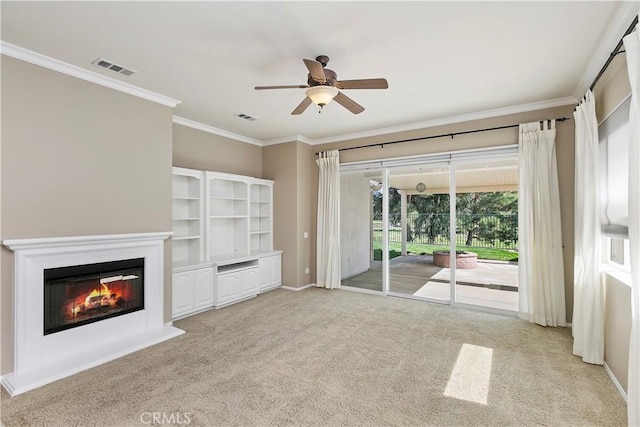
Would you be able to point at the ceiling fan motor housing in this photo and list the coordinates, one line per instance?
(330, 79)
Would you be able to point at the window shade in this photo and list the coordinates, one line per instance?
(614, 172)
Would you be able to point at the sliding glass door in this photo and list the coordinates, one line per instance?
(419, 231)
(487, 232)
(443, 229)
(361, 235)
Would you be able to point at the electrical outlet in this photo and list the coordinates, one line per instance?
(306, 270)
(305, 235)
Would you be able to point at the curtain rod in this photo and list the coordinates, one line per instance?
(614, 53)
(451, 134)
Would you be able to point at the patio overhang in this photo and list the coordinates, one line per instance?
(489, 176)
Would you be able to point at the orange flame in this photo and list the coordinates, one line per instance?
(90, 300)
(96, 293)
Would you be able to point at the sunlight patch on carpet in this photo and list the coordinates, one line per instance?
(471, 374)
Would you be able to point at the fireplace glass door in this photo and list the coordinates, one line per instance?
(82, 294)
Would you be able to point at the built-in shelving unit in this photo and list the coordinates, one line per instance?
(187, 207)
(260, 216)
(223, 240)
(228, 214)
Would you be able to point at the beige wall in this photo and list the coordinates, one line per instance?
(304, 173)
(287, 165)
(564, 151)
(78, 159)
(612, 88)
(196, 149)
(279, 163)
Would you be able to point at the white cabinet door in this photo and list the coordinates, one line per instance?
(264, 266)
(270, 272)
(192, 291)
(203, 288)
(182, 293)
(250, 282)
(276, 270)
(229, 287)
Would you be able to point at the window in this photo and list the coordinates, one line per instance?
(614, 186)
(614, 172)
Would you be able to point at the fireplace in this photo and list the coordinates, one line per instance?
(82, 294)
(81, 301)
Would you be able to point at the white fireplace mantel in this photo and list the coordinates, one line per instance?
(40, 359)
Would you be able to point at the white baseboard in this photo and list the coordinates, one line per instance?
(615, 381)
(290, 288)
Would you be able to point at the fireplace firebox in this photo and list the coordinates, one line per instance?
(82, 294)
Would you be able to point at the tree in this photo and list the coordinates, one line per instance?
(488, 216)
(394, 204)
(433, 220)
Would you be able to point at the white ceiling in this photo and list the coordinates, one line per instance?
(441, 59)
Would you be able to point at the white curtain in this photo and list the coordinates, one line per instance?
(541, 272)
(632, 47)
(588, 292)
(328, 232)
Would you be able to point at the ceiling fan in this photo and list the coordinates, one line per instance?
(323, 86)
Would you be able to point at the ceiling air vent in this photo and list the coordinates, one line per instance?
(246, 117)
(113, 67)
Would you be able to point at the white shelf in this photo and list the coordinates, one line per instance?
(260, 232)
(178, 238)
(186, 219)
(240, 199)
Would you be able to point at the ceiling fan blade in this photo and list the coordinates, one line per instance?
(363, 84)
(302, 106)
(281, 87)
(348, 103)
(316, 70)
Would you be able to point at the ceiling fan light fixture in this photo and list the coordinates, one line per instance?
(322, 95)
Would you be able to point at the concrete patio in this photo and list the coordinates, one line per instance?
(492, 284)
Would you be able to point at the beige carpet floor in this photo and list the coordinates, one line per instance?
(320, 357)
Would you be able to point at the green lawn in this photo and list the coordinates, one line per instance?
(421, 249)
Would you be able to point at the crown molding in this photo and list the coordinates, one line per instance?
(216, 131)
(44, 61)
(285, 139)
(612, 34)
(522, 108)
